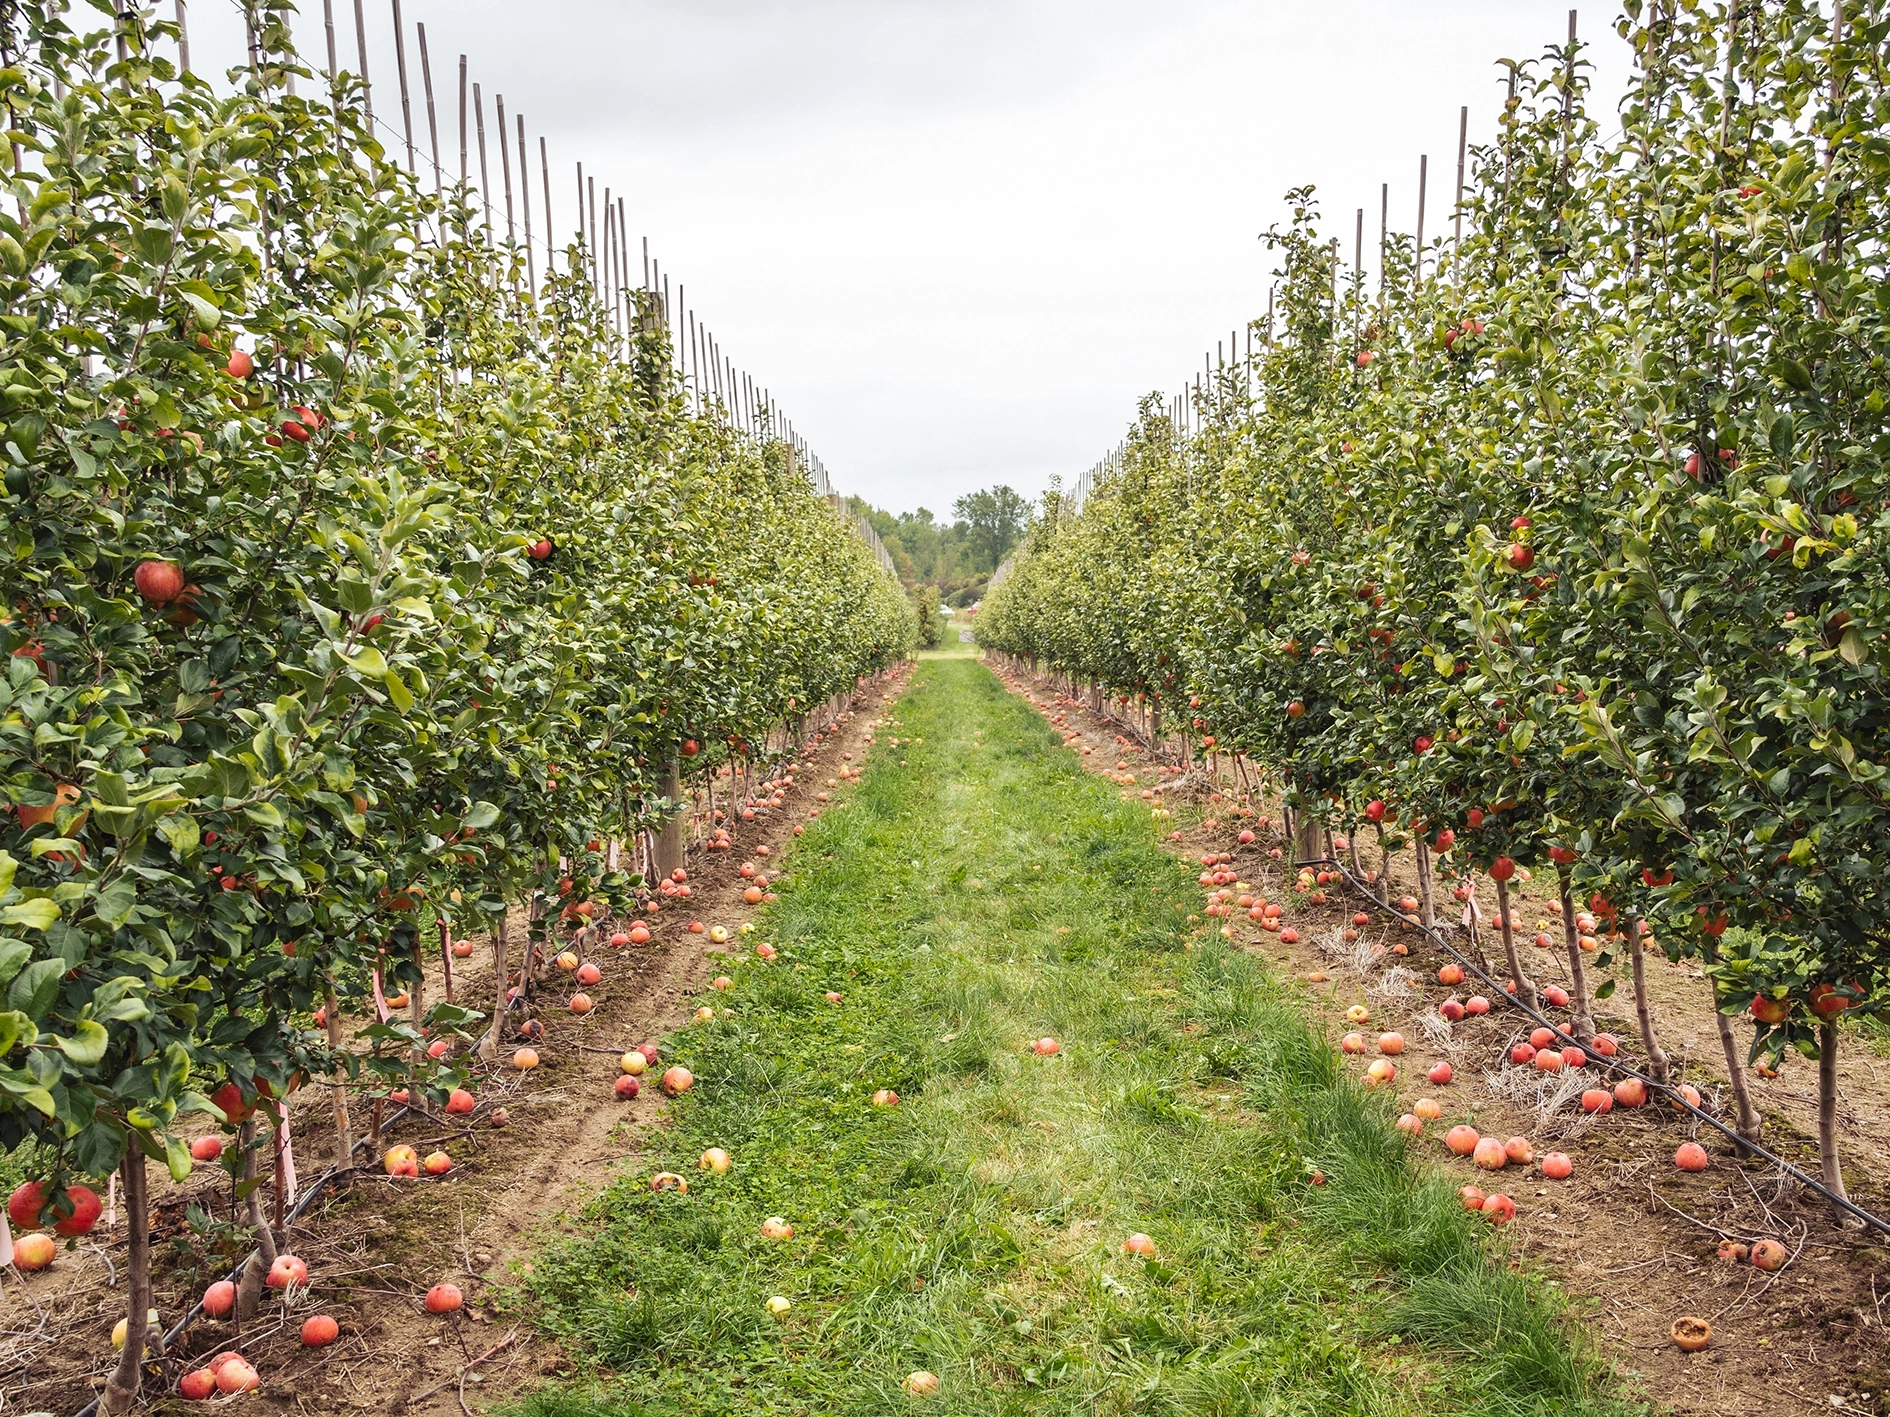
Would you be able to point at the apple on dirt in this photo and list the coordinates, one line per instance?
(444, 1299)
(236, 1374)
(34, 1252)
(219, 1300)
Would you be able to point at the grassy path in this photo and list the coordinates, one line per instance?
(985, 894)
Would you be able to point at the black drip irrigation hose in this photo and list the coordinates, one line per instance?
(1605, 1063)
(295, 1212)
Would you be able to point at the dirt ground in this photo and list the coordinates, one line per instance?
(374, 1245)
(1633, 1239)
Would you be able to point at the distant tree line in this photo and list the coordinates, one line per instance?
(953, 561)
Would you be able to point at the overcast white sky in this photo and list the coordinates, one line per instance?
(958, 239)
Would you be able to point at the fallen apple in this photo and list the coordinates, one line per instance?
(444, 1299)
(1490, 1154)
(197, 1386)
(1499, 1209)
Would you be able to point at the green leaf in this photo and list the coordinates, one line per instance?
(34, 988)
(368, 662)
(116, 902)
(86, 1046)
(205, 314)
(397, 692)
(15, 1028)
(39, 914)
(177, 1158)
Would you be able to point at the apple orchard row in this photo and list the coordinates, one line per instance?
(354, 591)
(1567, 544)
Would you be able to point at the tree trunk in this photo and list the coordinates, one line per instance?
(1305, 837)
(1383, 883)
(417, 996)
(446, 948)
(1657, 1065)
(1830, 1172)
(1525, 989)
(1351, 853)
(344, 1132)
(1427, 914)
(121, 1389)
(1584, 1022)
(1750, 1123)
(249, 1291)
(671, 844)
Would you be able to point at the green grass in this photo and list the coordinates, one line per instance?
(989, 893)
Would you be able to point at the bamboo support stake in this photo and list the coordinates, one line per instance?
(360, 44)
(463, 174)
(505, 167)
(183, 40)
(485, 180)
(1463, 150)
(609, 255)
(406, 98)
(551, 246)
(1358, 269)
(334, 62)
(433, 122)
(1384, 235)
(1423, 184)
(525, 195)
